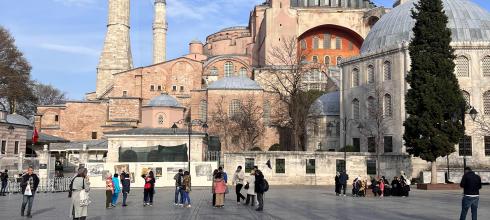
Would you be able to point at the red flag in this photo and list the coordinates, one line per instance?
(35, 136)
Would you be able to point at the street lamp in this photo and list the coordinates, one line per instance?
(473, 113)
(195, 122)
(360, 126)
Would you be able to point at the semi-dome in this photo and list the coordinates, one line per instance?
(326, 105)
(234, 83)
(468, 23)
(164, 100)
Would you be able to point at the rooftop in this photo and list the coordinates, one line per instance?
(234, 83)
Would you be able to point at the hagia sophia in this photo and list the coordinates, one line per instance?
(362, 50)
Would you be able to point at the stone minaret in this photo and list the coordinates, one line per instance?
(160, 32)
(116, 55)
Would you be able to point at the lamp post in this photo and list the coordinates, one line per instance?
(473, 113)
(190, 123)
(346, 121)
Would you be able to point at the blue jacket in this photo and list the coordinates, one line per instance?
(117, 187)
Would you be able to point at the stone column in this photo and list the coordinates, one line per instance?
(44, 168)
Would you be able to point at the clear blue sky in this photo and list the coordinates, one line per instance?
(62, 39)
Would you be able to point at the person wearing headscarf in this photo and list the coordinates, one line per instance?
(78, 184)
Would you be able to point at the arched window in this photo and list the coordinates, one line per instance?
(243, 72)
(371, 106)
(213, 71)
(303, 44)
(316, 42)
(314, 59)
(387, 70)
(355, 77)
(267, 112)
(462, 66)
(486, 103)
(339, 60)
(234, 108)
(356, 112)
(486, 66)
(466, 96)
(370, 74)
(228, 69)
(303, 59)
(327, 60)
(327, 38)
(338, 43)
(388, 110)
(160, 120)
(203, 110)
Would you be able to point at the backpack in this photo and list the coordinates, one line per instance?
(266, 185)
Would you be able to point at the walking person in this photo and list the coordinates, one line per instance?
(220, 190)
(343, 182)
(117, 189)
(178, 188)
(337, 184)
(78, 184)
(4, 178)
(238, 179)
(186, 187)
(126, 184)
(215, 173)
(260, 188)
(250, 187)
(149, 189)
(471, 183)
(29, 183)
(109, 190)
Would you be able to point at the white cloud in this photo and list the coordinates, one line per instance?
(81, 50)
(77, 3)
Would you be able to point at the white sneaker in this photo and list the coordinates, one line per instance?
(189, 206)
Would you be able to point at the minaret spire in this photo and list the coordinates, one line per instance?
(160, 32)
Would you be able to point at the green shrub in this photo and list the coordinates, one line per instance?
(275, 147)
(256, 149)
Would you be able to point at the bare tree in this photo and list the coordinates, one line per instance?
(220, 123)
(284, 76)
(48, 95)
(376, 124)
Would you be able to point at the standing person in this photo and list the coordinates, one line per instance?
(395, 186)
(178, 187)
(5, 178)
(250, 187)
(219, 190)
(109, 190)
(186, 187)
(224, 174)
(343, 181)
(78, 184)
(215, 173)
(381, 187)
(149, 189)
(29, 184)
(337, 184)
(260, 189)
(405, 186)
(238, 179)
(471, 183)
(126, 184)
(117, 189)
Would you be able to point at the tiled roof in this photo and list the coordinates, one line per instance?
(164, 101)
(234, 83)
(18, 120)
(152, 131)
(78, 145)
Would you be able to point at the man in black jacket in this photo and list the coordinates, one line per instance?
(259, 189)
(472, 185)
(4, 177)
(29, 184)
(126, 184)
(343, 181)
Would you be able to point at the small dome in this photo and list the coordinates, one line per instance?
(18, 120)
(326, 105)
(164, 100)
(468, 23)
(234, 83)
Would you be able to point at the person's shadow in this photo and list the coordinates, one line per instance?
(40, 211)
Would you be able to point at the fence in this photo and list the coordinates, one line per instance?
(57, 184)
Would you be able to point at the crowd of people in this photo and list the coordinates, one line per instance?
(380, 187)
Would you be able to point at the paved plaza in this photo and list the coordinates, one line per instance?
(291, 203)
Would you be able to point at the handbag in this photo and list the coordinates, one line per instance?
(84, 197)
(246, 186)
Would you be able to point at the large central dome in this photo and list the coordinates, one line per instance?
(467, 21)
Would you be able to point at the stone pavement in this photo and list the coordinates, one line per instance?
(291, 203)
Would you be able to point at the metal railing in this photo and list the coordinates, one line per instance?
(212, 156)
(56, 184)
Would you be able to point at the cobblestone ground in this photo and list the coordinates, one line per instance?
(291, 203)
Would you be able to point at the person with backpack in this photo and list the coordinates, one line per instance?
(149, 189)
(126, 184)
(5, 178)
(117, 189)
(29, 183)
(78, 184)
(179, 177)
(238, 179)
(261, 186)
(186, 187)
